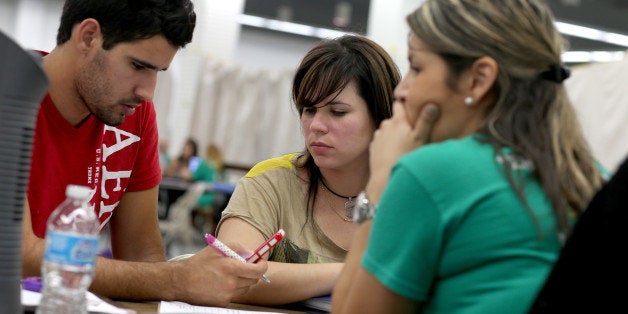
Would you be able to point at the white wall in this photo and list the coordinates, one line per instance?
(215, 36)
(7, 17)
(265, 48)
(393, 36)
(37, 22)
(31, 23)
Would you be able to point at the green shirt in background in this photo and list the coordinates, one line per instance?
(205, 172)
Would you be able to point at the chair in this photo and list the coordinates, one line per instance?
(178, 225)
(591, 273)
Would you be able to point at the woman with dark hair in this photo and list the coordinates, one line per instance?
(191, 167)
(473, 221)
(186, 163)
(342, 90)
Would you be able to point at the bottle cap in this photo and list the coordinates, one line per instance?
(32, 284)
(78, 191)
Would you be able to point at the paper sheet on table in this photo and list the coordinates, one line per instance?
(94, 303)
(180, 307)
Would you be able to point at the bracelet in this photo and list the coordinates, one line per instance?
(363, 208)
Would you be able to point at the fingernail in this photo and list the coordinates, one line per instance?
(432, 110)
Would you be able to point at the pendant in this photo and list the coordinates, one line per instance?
(349, 204)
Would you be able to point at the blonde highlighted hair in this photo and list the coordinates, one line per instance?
(530, 114)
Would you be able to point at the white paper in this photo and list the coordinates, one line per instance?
(180, 307)
(94, 303)
(30, 298)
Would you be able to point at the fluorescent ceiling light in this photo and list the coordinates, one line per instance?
(289, 27)
(292, 28)
(592, 34)
(592, 56)
(252, 20)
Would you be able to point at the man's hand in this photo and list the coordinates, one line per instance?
(209, 278)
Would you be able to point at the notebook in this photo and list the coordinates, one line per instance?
(322, 303)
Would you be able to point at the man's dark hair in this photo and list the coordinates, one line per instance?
(129, 20)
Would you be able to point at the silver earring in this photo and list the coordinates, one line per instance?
(468, 101)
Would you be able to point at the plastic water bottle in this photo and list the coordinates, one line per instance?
(70, 254)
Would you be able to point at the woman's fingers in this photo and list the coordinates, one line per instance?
(422, 129)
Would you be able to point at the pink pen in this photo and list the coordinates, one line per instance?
(266, 246)
(226, 251)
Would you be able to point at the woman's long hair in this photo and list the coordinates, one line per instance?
(327, 69)
(531, 112)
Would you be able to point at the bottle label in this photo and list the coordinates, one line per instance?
(64, 248)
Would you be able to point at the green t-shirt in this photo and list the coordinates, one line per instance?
(452, 233)
(205, 172)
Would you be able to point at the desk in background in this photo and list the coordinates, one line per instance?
(171, 188)
(170, 183)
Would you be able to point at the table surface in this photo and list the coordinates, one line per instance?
(153, 307)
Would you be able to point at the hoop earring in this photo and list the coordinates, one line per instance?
(468, 101)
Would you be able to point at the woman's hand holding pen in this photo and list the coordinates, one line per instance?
(395, 137)
(210, 278)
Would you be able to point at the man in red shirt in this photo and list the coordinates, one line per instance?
(97, 127)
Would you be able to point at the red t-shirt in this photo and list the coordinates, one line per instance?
(110, 160)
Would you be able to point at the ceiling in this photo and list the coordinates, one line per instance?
(319, 13)
(606, 15)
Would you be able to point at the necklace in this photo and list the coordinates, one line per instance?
(349, 203)
(345, 218)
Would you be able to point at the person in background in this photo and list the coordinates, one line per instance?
(209, 170)
(97, 127)
(186, 163)
(342, 90)
(210, 205)
(191, 167)
(472, 216)
(214, 157)
(164, 158)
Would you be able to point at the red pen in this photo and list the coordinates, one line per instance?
(266, 246)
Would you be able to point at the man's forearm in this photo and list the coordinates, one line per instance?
(112, 278)
(32, 255)
(118, 279)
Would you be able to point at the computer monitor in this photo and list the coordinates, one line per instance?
(23, 83)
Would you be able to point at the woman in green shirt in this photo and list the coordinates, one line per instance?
(472, 221)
